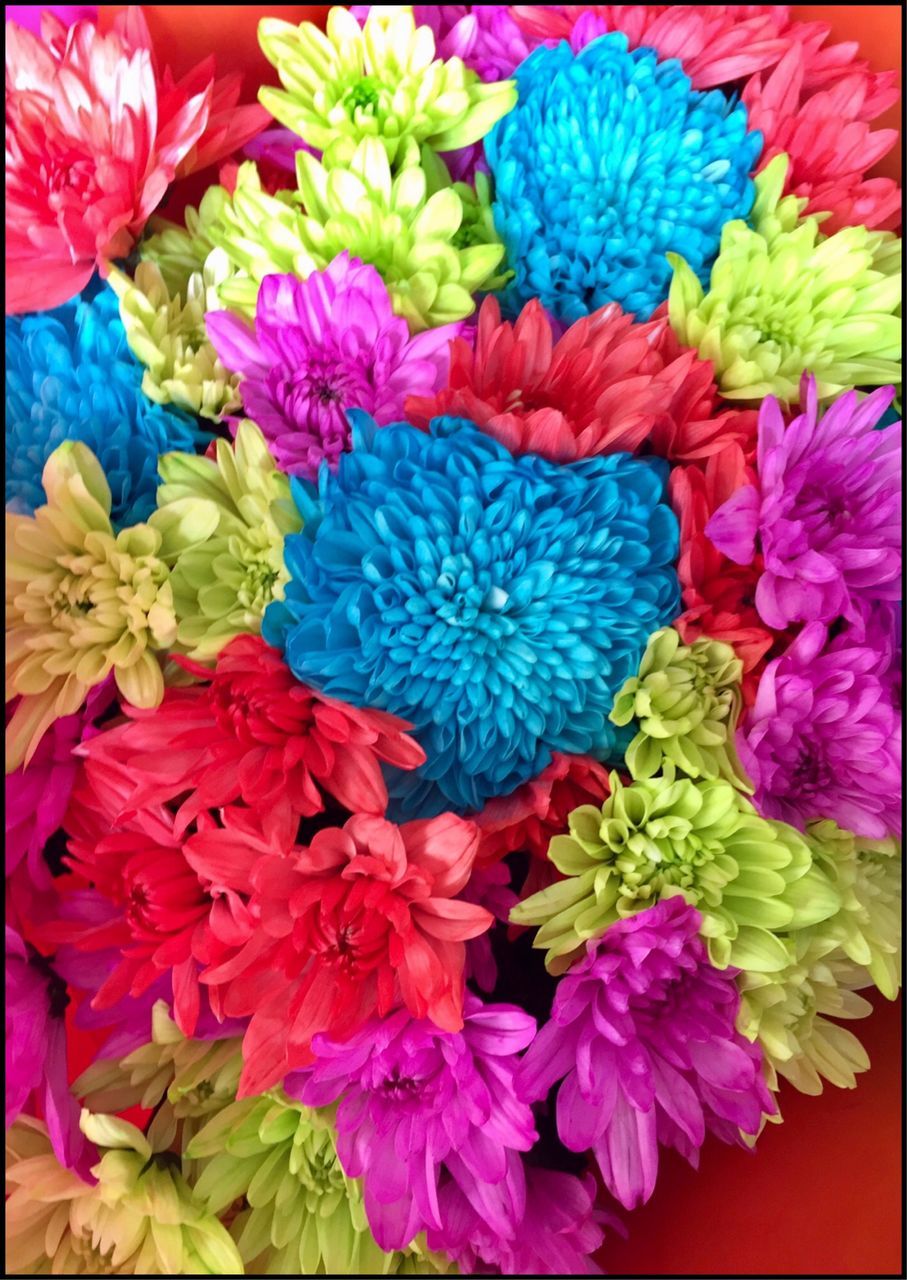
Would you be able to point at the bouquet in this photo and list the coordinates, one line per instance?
(453, 626)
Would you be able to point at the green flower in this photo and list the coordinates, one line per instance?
(477, 227)
(222, 586)
(749, 877)
(786, 300)
(687, 700)
(380, 82)
(181, 252)
(83, 601)
(168, 336)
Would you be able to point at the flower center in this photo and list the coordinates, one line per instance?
(362, 96)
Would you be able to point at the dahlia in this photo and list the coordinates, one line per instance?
(666, 837)
(609, 160)
(822, 740)
(70, 376)
(500, 601)
(422, 1107)
(642, 1035)
(322, 346)
(825, 508)
(249, 731)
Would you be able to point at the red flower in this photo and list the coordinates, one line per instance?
(252, 732)
(354, 924)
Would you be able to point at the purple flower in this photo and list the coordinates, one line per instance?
(321, 346)
(826, 510)
(277, 146)
(423, 1108)
(642, 1034)
(487, 887)
(823, 739)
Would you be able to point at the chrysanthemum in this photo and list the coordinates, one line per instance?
(608, 161)
(249, 731)
(355, 923)
(83, 601)
(822, 740)
(225, 581)
(825, 509)
(322, 346)
(421, 1107)
(70, 376)
(668, 837)
(780, 305)
(485, 36)
(500, 601)
(178, 251)
(381, 81)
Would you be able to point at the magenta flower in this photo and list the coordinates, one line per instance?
(823, 738)
(422, 1108)
(825, 511)
(321, 346)
(642, 1035)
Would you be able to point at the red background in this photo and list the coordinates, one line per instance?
(823, 1194)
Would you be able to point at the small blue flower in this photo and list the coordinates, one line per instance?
(497, 603)
(71, 376)
(608, 161)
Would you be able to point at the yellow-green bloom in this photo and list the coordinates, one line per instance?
(382, 81)
(784, 300)
(749, 877)
(82, 601)
(687, 700)
(181, 251)
(224, 583)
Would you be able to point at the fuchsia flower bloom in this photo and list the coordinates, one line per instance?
(321, 346)
(823, 739)
(642, 1035)
(423, 1108)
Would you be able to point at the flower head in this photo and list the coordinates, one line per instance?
(485, 36)
(825, 509)
(642, 1035)
(500, 601)
(71, 376)
(608, 161)
(322, 346)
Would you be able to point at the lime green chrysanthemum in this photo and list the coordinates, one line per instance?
(167, 335)
(687, 700)
(82, 601)
(381, 81)
(141, 1218)
(784, 300)
(747, 876)
(223, 585)
(788, 1012)
(181, 252)
(477, 226)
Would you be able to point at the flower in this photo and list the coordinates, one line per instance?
(822, 740)
(642, 1035)
(141, 1218)
(686, 700)
(322, 346)
(778, 306)
(390, 220)
(609, 160)
(167, 334)
(29, 15)
(225, 580)
(355, 923)
(249, 731)
(666, 837)
(423, 1106)
(500, 601)
(825, 507)
(71, 376)
(83, 601)
(485, 36)
(381, 81)
(603, 386)
(181, 251)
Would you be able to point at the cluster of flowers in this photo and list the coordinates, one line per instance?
(453, 626)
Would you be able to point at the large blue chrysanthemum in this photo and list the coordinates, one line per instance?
(71, 376)
(496, 602)
(608, 161)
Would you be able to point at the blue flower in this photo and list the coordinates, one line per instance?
(71, 376)
(608, 161)
(496, 602)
